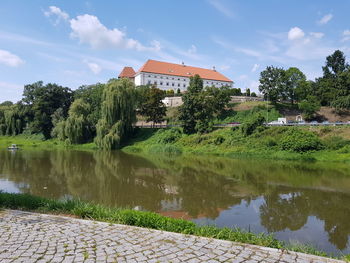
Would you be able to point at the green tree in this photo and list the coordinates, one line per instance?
(335, 64)
(309, 107)
(294, 80)
(271, 83)
(247, 92)
(332, 85)
(253, 94)
(118, 114)
(218, 98)
(151, 105)
(92, 95)
(196, 112)
(78, 127)
(43, 102)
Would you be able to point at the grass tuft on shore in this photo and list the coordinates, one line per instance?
(143, 219)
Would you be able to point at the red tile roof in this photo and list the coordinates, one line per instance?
(127, 72)
(158, 67)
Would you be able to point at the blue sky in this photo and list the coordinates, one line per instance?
(84, 42)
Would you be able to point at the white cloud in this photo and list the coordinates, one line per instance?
(89, 30)
(192, 49)
(325, 19)
(255, 67)
(295, 33)
(218, 5)
(95, 68)
(317, 34)
(56, 11)
(346, 35)
(9, 59)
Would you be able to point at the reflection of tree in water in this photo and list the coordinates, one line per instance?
(204, 193)
(200, 186)
(286, 209)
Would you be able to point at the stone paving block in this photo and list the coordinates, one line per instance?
(32, 237)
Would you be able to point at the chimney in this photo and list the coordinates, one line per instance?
(214, 68)
(183, 64)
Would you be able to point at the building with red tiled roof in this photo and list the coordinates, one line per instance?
(127, 72)
(177, 76)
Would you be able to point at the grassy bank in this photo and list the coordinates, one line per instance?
(283, 143)
(143, 219)
(35, 141)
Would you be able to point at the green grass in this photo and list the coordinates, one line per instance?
(143, 219)
(33, 141)
(264, 143)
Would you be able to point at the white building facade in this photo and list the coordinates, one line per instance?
(169, 76)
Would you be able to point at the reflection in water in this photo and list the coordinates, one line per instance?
(296, 201)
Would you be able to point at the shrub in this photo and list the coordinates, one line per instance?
(168, 136)
(297, 140)
(335, 142)
(270, 141)
(252, 124)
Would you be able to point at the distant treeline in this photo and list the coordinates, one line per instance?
(105, 113)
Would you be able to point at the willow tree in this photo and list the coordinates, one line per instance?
(118, 114)
(78, 126)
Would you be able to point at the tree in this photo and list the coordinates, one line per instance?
(309, 107)
(92, 95)
(294, 80)
(118, 114)
(151, 105)
(195, 113)
(43, 102)
(332, 86)
(219, 97)
(247, 92)
(271, 83)
(78, 127)
(253, 94)
(335, 64)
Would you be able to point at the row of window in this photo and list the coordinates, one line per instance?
(155, 76)
(173, 84)
(167, 83)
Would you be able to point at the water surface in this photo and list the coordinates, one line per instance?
(305, 202)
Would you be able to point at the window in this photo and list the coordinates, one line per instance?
(184, 85)
(178, 79)
(172, 84)
(155, 82)
(161, 83)
(149, 82)
(167, 83)
(149, 76)
(166, 77)
(178, 85)
(161, 77)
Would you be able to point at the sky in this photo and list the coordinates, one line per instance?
(74, 43)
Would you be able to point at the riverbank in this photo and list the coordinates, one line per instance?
(278, 143)
(55, 238)
(143, 219)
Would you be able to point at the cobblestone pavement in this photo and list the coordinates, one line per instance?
(32, 237)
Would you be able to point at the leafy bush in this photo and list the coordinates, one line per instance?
(252, 124)
(335, 142)
(168, 136)
(297, 140)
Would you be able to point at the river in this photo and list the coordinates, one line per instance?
(296, 201)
